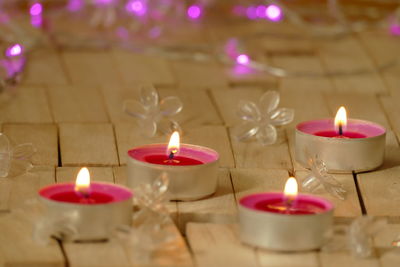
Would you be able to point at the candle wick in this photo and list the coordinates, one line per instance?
(171, 155)
(289, 201)
(340, 129)
(85, 194)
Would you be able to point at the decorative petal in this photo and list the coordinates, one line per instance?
(310, 183)
(245, 131)
(335, 190)
(170, 106)
(248, 111)
(361, 233)
(282, 116)
(317, 166)
(23, 151)
(148, 127)
(330, 184)
(160, 185)
(267, 135)
(167, 126)
(19, 167)
(269, 101)
(5, 155)
(149, 97)
(135, 109)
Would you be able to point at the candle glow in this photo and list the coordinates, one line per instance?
(173, 145)
(340, 120)
(291, 188)
(82, 183)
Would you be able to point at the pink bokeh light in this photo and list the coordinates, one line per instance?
(36, 14)
(14, 50)
(155, 32)
(261, 11)
(243, 59)
(103, 2)
(395, 29)
(75, 5)
(273, 13)
(251, 12)
(194, 12)
(136, 7)
(36, 9)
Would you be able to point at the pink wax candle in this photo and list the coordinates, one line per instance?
(101, 193)
(169, 155)
(289, 202)
(275, 203)
(285, 221)
(355, 129)
(85, 192)
(192, 170)
(100, 207)
(189, 155)
(344, 145)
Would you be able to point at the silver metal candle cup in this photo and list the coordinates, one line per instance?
(339, 154)
(283, 232)
(186, 183)
(91, 222)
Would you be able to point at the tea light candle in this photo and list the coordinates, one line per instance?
(192, 170)
(285, 221)
(99, 207)
(344, 145)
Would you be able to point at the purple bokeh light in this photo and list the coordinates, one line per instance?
(273, 13)
(251, 12)
(136, 7)
(36, 14)
(74, 5)
(14, 50)
(243, 59)
(155, 32)
(103, 2)
(239, 10)
(261, 11)
(36, 9)
(395, 29)
(194, 12)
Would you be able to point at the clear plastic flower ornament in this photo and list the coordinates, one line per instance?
(14, 160)
(154, 115)
(259, 122)
(319, 176)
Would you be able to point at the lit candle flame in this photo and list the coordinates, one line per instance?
(290, 192)
(173, 145)
(82, 183)
(340, 120)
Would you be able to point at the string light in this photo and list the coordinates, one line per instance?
(194, 12)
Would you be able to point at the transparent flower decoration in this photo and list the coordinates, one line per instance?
(151, 227)
(14, 160)
(361, 233)
(260, 121)
(357, 238)
(153, 196)
(153, 114)
(319, 176)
